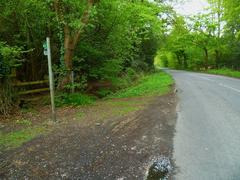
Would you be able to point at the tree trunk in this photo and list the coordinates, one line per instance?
(71, 39)
(68, 56)
(217, 57)
(206, 57)
(219, 16)
(178, 60)
(185, 63)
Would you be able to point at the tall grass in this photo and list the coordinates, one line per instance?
(154, 84)
(225, 72)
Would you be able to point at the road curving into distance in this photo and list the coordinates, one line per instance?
(207, 138)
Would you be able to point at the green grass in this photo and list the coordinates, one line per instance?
(114, 103)
(154, 84)
(80, 115)
(119, 108)
(24, 122)
(124, 111)
(124, 107)
(29, 110)
(17, 138)
(225, 72)
(75, 99)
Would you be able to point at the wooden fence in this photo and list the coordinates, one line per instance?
(26, 90)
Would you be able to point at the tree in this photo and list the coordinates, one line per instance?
(232, 32)
(73, 16)
(10, 57)
(178, 42)
(19, 27)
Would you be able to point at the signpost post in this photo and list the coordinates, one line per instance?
(47, 52)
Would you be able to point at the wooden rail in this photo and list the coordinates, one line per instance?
(19, 84)
(33, 91)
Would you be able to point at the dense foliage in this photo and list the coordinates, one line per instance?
(9, 58)
(98, 40)
(205, 41)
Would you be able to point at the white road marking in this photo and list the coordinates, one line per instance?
(229, 87)
(220, 84)
(205, 78)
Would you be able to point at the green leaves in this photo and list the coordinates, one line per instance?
(9, 58)
(107, 36)
(120, 34)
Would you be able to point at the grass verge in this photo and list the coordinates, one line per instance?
(75, 99)
(154, 84)
(225, 72)
(17, 138)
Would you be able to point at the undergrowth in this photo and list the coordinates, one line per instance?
(155, 84)
(75, 99)
(149, 85)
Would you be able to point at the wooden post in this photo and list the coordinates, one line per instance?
(72, 81)
(51, 82)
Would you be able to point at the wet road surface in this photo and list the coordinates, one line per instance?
(207, 139)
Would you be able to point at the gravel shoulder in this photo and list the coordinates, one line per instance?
(117, 147)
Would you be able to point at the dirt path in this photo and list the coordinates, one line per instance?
(116, 148)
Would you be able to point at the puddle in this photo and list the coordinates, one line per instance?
(159, 169)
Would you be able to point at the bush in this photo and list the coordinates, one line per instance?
(127, 79)
(104, 92)
(7, 96)
(75, 99)
(9, 58)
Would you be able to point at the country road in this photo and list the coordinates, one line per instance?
(207, 138)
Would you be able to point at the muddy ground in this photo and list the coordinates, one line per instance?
(114, 148)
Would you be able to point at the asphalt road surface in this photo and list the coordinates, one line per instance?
(207, 138)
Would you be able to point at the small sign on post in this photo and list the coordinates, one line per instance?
(47, 52)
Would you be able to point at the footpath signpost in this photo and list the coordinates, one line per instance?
(47, 52)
